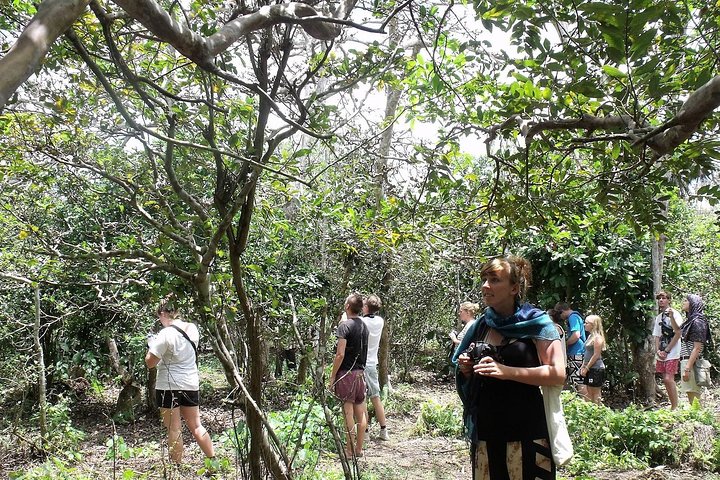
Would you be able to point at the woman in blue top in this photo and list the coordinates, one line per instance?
(504, 411)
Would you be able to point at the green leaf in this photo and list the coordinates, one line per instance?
(613, 71)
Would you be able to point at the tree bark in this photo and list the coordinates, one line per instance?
(42, 395)
(646, 367)
(261, 451)
(52, 19)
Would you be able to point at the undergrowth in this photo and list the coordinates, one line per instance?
(633, 438)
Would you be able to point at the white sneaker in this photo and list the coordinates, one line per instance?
(384, 435)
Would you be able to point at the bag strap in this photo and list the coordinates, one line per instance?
(182, 332)
(482, 330)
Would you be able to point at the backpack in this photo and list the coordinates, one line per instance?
(666, 330)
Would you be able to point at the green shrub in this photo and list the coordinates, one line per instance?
(53, 469)
(401, 401)
(439, 420)
(633, 438)
(119, 450)
(63, 439)
(302, 426)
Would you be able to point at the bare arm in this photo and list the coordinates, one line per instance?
(598, 344)
(151, 360)
(337, 361)
(697, 346)
(677, 332)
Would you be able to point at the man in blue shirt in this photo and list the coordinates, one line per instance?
(575, 340)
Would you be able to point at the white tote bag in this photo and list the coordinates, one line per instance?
(560, 444)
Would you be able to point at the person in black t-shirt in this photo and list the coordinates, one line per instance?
(347, 380)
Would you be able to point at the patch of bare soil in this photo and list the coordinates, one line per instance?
(408, 455)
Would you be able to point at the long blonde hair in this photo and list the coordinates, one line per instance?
(597, 330)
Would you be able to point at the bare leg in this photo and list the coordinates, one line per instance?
(583, 392)
(349, 426)
(360, 414)
(173, 424)
(379, 410)
(671, 388)
(594, 394)
(202, 437)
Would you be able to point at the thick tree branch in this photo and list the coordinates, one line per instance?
(202, 50)
(188, 198)
(53, 18)
(661, 140)
(585, 122)
(699, 106)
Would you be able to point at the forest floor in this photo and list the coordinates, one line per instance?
(407, 455)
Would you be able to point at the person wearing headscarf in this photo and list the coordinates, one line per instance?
(695, 333)
(515, 348)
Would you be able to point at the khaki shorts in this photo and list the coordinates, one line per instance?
(690, 386)
(372, 381)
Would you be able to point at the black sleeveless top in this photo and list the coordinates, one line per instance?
(505, 410)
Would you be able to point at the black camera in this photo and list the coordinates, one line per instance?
(479, 350)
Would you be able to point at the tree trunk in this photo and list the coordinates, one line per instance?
(52, 19)
(150, 400)
(261, 451)
(645, 361)
(42, 395)
(380, 168)
(384, 348)
(130, 397)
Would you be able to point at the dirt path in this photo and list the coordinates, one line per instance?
(408, 455)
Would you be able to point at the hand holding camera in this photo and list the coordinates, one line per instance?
(478, 351)
(484, 358)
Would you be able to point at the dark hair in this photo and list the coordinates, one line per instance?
(167, 304)
(562, 306)
(354, 302)
(555, 315)
(373, 303)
